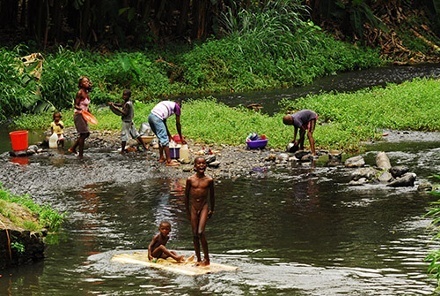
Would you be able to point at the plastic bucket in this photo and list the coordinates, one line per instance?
(19, 140)
(175, 153)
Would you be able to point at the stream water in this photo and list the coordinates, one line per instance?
(305, 232)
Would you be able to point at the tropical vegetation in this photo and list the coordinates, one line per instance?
(269, 49)
(199, 47)
(115, 25)
(346, 120)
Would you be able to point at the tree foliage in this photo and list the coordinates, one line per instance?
(116, 24)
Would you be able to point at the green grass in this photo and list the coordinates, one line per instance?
(345, 121)
(47, 217)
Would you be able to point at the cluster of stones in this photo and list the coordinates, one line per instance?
(382, 173)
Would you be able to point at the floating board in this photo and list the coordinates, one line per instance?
(187, 268)
(89, 117)
(115, 110)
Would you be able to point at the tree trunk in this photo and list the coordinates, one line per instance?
(8, 14)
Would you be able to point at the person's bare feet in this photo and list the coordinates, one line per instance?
(173, 163)
(203, 263)
(71, 151)
(181, 259)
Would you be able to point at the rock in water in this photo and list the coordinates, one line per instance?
(399, 170)
(382, 161)
(355, 162)
(407, 180)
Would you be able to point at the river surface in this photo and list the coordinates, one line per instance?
(301, 231)
(343, 82)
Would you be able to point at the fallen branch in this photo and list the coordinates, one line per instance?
(420, 36)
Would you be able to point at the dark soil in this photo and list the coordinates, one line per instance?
(56, 170)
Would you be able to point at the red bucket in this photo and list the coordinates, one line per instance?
(19, 140)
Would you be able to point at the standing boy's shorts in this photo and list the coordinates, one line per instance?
(128, 129)
(159, 129)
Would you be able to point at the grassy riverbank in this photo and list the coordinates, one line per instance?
(346, 120)
(241, 62)
(22, 213)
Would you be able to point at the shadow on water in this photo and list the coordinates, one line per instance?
(305, 233)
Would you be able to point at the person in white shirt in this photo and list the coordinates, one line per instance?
(158, 123)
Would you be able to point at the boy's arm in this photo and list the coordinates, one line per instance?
(187, 191)
(119, 107)
(60, 123)
(211, 198)
(150, 246)
(295, 132)
(125, 109)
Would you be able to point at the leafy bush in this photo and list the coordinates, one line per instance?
(60, 76)
(19, 90)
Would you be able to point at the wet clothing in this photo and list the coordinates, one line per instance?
(81, 124)
(84, 105)
(157, 119)
(302, 118)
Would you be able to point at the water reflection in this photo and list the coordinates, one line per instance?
(297, 236)
(305, 233)
(21, 160)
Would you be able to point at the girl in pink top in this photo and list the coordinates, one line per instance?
(82, 101)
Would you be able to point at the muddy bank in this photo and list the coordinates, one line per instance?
(30, 248)
(56, 170)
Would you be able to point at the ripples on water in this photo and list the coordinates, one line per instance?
(305, 234)
(295, 237)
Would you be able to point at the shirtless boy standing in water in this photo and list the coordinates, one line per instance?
(198, 208)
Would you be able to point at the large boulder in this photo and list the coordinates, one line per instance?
(407, 180)
(382, 161)
(367, 173)
(355, 162)
(398, 171)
